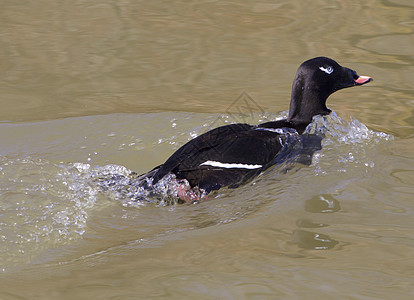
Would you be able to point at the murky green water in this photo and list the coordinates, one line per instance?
(89, 87)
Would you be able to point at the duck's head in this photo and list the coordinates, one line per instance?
(315, 80)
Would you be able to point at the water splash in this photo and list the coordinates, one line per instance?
(43, 205)
(336, 129)
(347, 142)
(124, 185)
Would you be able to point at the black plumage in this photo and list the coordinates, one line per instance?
(234, 154)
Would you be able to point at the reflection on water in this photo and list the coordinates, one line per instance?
(312, 240)
(342, 226)
(88, 57)
(322, 204)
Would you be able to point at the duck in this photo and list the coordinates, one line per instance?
(232, 155)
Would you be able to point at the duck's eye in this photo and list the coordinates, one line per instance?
(327, 70)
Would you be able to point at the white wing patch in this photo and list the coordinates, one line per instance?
(276, 130)
(327, 70)
(229, 165)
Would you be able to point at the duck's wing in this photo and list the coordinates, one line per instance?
(193, 152)
(230, 151)
(235, 143)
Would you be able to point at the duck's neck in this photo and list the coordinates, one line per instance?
(307, 101)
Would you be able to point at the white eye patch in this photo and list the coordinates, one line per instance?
(327, 70)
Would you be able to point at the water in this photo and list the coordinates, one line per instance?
(92, 89)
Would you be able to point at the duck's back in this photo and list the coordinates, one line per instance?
(228, 155)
